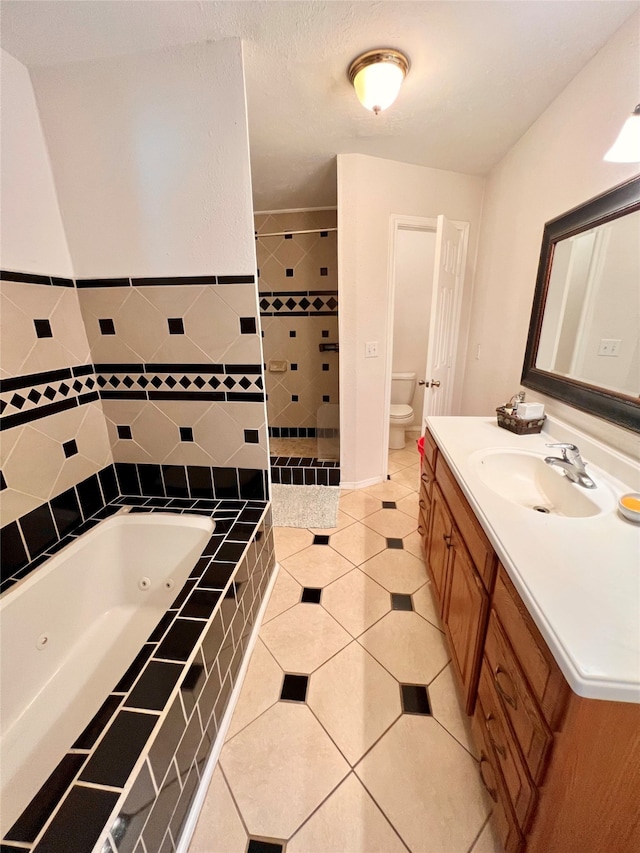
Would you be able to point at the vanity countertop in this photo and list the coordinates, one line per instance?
(579, 577)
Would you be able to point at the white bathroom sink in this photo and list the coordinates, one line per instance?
(524, 478)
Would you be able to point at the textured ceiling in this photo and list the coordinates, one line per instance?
(481, 72)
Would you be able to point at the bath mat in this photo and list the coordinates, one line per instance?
(305, 506)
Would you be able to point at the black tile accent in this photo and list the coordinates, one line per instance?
(324, 233)
(41, 807)
(200, 483)
(415, 699)
(171, 280)
(289, 272)
(389, 505)
(292, 334)
(236, 279)
(321, 540)
(324, 271)
(248, 326)
(43, 328)
(165, 744)
(176, 326)
(400, 601)
(257, 846)
(108, 483)
(15, 383)
(58, 281)
(294, 398)
(251, 436)
(103, 282)
(14, 555)
(326, 398)
(90, 496)
(225, 482)
(175, 481)
(217, 575)
(186, 433)
(124, 431)
(311, 595)
(119, 749)
(325, 333)
(200, 604)
(3, 482)
(79, 822)
(294, 688)
(98, 724)
(192, 684)
(325, 367)
(395, 543)
(151, 480)
(70, 448)
(66, 511)
(126, 682)
(154, 686)
(288, 236)
(160, 629)
(38, 530)
(128, 825)
(179, 640)
(127, 475)
(107, 326)
(30, 278)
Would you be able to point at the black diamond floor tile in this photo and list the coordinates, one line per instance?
(389, 505)
(294, 688)
(400, 601)
(395, 543)
(257, 846)
(321, 540)
(311, 595)
(415, 699)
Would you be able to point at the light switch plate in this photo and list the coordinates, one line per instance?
(371, 349)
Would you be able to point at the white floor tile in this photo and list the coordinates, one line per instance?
(303, 638)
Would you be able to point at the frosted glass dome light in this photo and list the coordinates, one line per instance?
(377, 77)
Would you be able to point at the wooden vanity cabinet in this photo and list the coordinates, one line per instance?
(563, 772)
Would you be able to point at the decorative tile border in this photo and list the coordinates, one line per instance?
(304, 471)
(158, 749)
(300, 303)
(28, 398)
(36, 278)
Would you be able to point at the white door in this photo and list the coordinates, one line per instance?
(445, 314)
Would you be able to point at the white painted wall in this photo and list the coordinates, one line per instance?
(151, 160)
(415, 255)
(555, 166)
(370, 191)
(31, 230)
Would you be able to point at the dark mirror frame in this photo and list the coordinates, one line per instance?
(618, 408)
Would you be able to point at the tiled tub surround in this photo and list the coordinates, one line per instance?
(28, 541)
(304, 471)
(61, 658)
(131, 775)
(298, 299)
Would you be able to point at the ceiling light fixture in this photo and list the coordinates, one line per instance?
(626, 148)
(377, 76)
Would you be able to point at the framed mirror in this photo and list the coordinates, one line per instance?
(583, 345)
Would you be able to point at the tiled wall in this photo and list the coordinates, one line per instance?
(181, 365)
(53, 430)
(130, 777)
(298, 292)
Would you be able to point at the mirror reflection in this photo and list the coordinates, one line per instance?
(591, 326)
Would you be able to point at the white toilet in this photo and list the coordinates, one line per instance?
(403, 386)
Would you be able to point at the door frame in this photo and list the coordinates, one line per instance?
(399, 222)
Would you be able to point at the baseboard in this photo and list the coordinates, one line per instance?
(214, 755)
(362, 484)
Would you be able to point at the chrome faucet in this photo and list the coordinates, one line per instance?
(571, 463)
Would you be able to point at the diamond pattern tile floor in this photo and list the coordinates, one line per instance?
(341, 767)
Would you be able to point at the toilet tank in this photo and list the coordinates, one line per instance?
(402, 387)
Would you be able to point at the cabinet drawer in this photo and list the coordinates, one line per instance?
(517, 700)
(427, 477)
(430, 449)
(474, 536)
(537, 663)
(522, 792)
(502, 816)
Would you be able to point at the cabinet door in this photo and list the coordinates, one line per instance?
(439, 544)
(465, 617)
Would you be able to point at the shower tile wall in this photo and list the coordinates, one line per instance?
(298, 292)
(181, 370)
(54, 434)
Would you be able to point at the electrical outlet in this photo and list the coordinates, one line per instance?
(609, 346)
(371, 349)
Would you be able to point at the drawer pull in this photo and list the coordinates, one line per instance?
(491, 791)
(502, 752)
(422, 504)
(421, 530)
(506, 695)
(447, 539)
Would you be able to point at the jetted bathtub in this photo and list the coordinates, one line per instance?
(71, 629)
